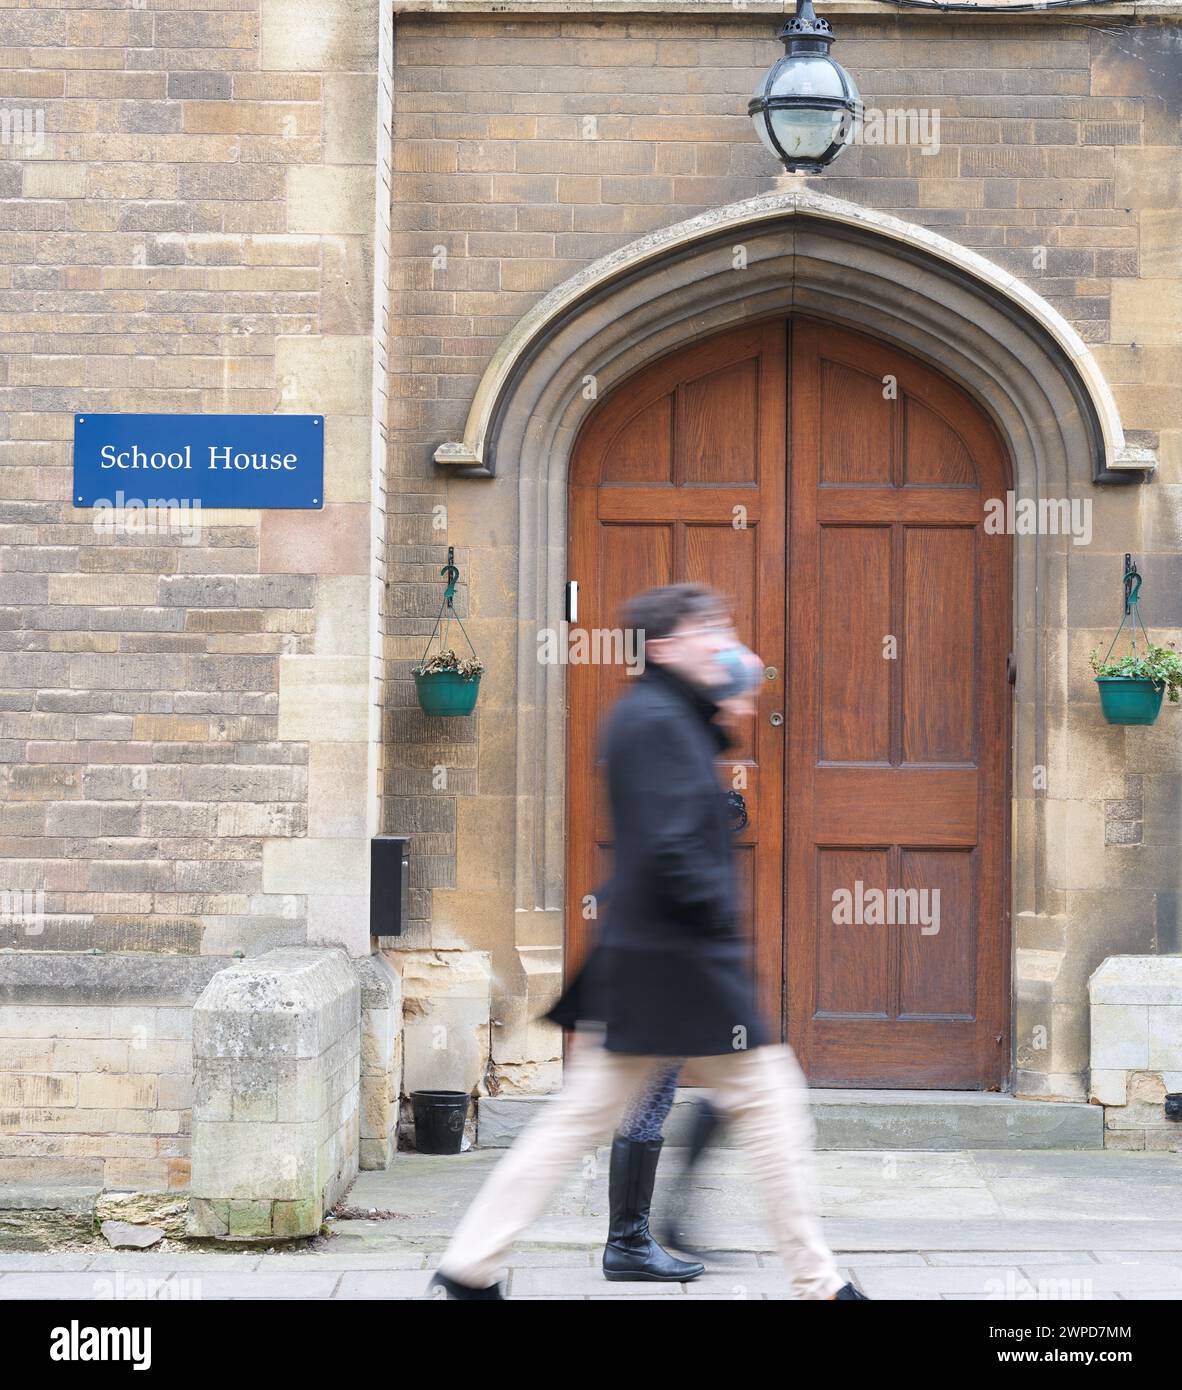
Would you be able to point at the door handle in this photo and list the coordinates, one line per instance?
(738, 811)
(775, 720)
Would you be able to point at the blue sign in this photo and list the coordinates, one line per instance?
(214, 460)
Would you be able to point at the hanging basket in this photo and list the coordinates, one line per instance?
(1131, 688)
(1129, 699)
(446, 684)
(446, 692)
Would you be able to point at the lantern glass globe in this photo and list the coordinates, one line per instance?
(802, 132)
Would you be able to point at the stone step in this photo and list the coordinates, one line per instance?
(861, 1120)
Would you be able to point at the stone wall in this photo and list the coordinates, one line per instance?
(190, 723)
(213, 211)
(96, 1068)
(196, 219)
(100, 1076)
(527, 146)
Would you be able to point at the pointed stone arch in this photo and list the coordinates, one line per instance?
(802, 251)
(796, 252)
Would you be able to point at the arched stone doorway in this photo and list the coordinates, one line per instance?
(789, 253)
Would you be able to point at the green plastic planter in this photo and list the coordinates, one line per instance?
(1129, 699)
(447, 692)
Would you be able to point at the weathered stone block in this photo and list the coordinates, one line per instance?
(1136, 1049)
(276, 1045)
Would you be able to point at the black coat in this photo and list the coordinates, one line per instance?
(670, 971)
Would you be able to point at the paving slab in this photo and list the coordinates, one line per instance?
(155, 1261)
(1042, 1235)
(1122, 1278)
(43, 1260)
(1027, 1259)
(356, 1260)
(254, 1284)
(394, 1283)
(51, 1285)
(526, 1282)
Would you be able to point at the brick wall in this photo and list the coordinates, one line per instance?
(525, 149)
(189, 224)
(96, 1068)
(97, 1094)
(191, 228)
(189, 719)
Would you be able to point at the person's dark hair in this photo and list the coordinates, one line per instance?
(659, 611)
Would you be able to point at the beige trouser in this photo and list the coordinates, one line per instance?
(762, 1092)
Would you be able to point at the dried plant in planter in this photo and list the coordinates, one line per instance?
(445, 683)
(467, 668)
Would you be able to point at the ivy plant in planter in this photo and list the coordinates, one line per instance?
(1131, 688)
(448, 684)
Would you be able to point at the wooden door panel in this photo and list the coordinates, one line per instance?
(866, 505)
(688, 504)
(745, 874)
(920, 806)
(728, 560)
(934, 453)
(718, 423)
(642, 450)
(853, 967)
(855, 696)
(679, 475)
(855, 1056)
(936, 966)
(938, 657)
(859, 456)
(898, 732)
(633, 558)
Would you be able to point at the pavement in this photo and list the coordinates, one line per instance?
(999, 1225)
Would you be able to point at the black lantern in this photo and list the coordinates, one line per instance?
(806, 103)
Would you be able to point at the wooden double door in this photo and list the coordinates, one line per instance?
(833, 488)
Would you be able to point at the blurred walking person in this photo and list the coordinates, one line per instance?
(669, 975)
(633, 1251)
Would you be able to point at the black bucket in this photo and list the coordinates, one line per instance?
(439, 1120)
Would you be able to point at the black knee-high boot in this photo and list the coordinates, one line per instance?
(631, 1252)
(676, 1227)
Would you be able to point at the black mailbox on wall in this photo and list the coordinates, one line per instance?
(389, 884)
